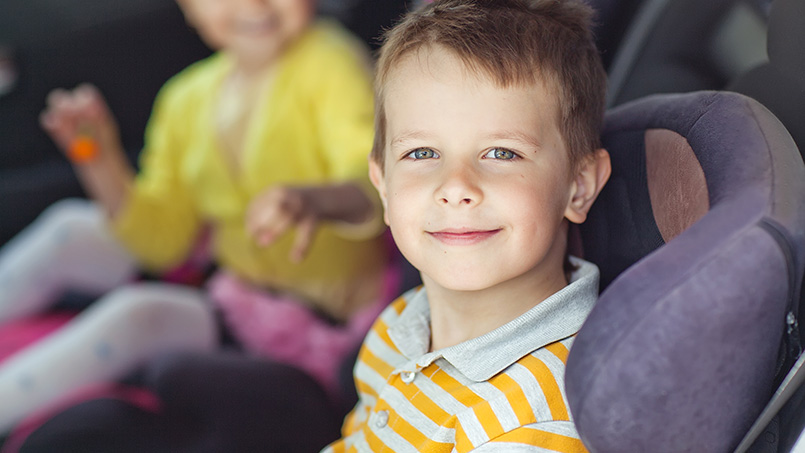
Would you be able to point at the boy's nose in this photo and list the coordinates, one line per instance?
(459, 187)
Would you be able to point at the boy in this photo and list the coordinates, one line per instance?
(488, 116)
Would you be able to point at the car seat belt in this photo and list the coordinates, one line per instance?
(790, 384)
(796, 375)
(633, 42)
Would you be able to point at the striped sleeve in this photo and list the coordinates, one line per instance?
(554, 437)
(520, 405)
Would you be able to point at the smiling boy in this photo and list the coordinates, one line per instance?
(486, 147)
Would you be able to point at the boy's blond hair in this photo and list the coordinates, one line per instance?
(514, 43)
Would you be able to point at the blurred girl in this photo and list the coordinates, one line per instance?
(264, 144)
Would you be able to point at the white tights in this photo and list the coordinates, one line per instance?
(68, 247)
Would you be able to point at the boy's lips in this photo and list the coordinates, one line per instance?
(463, 236)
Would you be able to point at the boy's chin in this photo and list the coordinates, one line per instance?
(460, 283)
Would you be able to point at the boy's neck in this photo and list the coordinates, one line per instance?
(458, 316)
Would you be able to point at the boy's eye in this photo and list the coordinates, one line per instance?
(500, 153)
(422, 153)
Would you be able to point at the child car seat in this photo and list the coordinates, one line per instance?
(700, 237)
(778, 84)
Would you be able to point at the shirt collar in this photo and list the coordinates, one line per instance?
(555, 318)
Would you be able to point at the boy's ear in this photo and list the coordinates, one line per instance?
(590, 178)
(379, 181)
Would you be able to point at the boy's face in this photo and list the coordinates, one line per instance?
(251, 29)
(477, 180)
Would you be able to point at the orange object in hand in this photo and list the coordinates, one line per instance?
(83, 149)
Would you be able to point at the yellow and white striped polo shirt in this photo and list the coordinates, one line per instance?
(502, 391)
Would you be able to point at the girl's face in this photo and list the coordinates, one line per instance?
(254, 31)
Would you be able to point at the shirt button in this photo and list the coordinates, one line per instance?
(382, 419)
(407, 376)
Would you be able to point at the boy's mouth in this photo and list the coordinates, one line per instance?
(463, 236)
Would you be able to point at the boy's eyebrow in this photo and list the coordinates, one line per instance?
(519, 136)
(407, 136)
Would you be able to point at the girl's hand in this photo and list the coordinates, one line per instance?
(276, 210)
(80, 113)
(83, 128)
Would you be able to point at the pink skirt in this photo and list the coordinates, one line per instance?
(286, 330)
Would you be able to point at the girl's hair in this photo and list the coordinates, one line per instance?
(514, 43)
